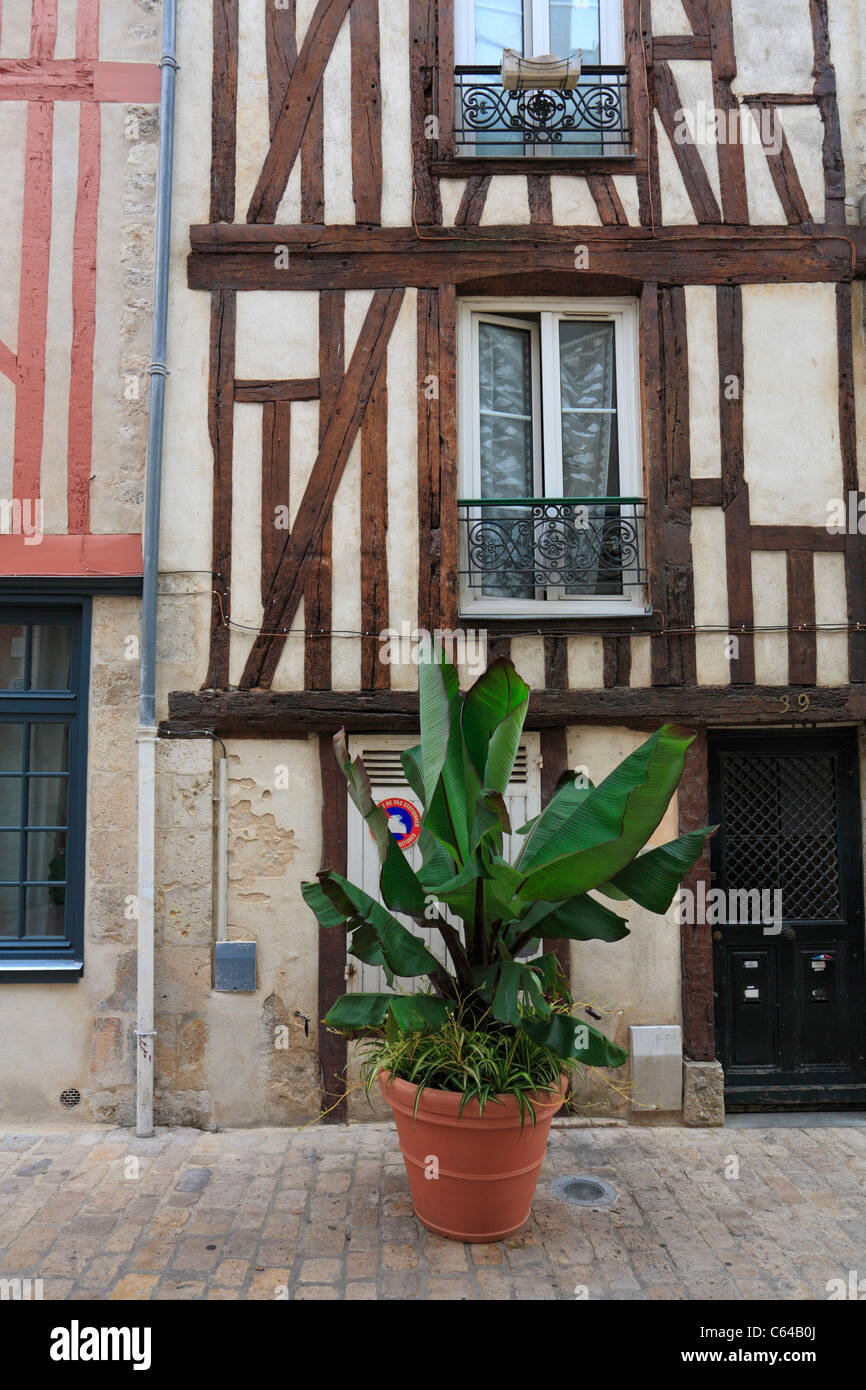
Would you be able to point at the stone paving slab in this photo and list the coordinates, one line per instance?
(324, 1213)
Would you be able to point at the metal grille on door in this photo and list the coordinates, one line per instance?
(382, 760)
(780, 831)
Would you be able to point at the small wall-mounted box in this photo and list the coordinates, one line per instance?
(656, 1067)
(234, 967)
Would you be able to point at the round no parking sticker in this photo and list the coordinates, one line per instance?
(404, 820)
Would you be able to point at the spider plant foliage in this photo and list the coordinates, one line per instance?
(587, 839)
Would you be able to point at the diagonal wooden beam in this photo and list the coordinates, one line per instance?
(696, 11)
(348, 410)
(686, 153)
(783, 170)
(303, 89)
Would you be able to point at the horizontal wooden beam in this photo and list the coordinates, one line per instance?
(675, 46)
(795, 538)
(242, 257)
(465, 166)
(302, 389)
(297, 713)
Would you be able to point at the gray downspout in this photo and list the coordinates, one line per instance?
(147, 732)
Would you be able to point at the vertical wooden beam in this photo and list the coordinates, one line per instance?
(637, 32)
(318, 596)
(281, 54)
(607, 200)
(375, 675)
(366, 112)
(732, 166)
(313, 164)
(276, 475)
(540, 200)
(448, 596)
(429, 459)
(679, 581)
(654, 440)
(696, 950)
(617, 661)
(427, 203)
(825, 95)
(735, 491)
(556, 663)
(220, 429)
(473, 200)
(855, 545)
(224, 104)
(332, 943)
(802, 645)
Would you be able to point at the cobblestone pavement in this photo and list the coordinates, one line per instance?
(324, 1213)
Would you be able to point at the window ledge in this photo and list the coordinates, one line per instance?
(41, 971)
(460, 165)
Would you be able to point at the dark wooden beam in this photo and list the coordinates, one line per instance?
(802, 640)
(242, 256)
(795, 538)
(735, 489)
(298, 390)
(686, 152)
(783, 169)
(607, 200)
(297, 713)
(224, 105)
(696, 951)
(220, 418)
(366, 112)
(667, 47)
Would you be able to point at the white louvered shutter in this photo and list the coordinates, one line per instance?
(381, 756)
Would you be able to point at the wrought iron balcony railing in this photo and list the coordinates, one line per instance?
(592, 121)
(551, 547)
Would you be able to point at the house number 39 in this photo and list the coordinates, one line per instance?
(802, 702)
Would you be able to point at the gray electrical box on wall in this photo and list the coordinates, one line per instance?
(234, 966)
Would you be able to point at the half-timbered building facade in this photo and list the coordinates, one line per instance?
(572, 373)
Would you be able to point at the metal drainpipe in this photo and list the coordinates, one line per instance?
(147, 732)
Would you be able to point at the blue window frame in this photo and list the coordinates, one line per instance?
(44, 651)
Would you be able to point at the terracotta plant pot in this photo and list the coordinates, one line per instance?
(473, 1178)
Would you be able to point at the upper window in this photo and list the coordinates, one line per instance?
(42, 778)
(534, 27)
(589, 120)
(551, 505)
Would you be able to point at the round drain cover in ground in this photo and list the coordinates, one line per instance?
(584, 1191)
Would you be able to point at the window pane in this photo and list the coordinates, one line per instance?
(498, 25)
(10, 852)
(46, 856)
(11, 747)
(9, 911)
(49, 748)
(46, 800)
(575, 24)
(587, 373)
(13, 648)
(10, 800)
(50, 656)
(44, 914)
(503, 542)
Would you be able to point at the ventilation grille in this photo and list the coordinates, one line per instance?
(386, 770)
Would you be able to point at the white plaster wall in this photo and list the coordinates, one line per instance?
(396, 150)
(527, 653)
(773, 55)
(831, 606)
(636, 980)
(765, 206)
(641, 662)
(703, 341)
(677, 210)
(669, 17)
(337, 103)
(770, 603)
(277, 334)
(626, 187)
(253, 129)
(711, 594)
(573, 204)
(790, 402)
(507, 201)
(586, 663)
(804, 131)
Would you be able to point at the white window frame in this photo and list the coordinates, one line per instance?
(536, 25)
(623, 313)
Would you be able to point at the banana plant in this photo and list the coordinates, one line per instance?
(588, 840)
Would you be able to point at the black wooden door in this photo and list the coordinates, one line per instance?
(790, 1022)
